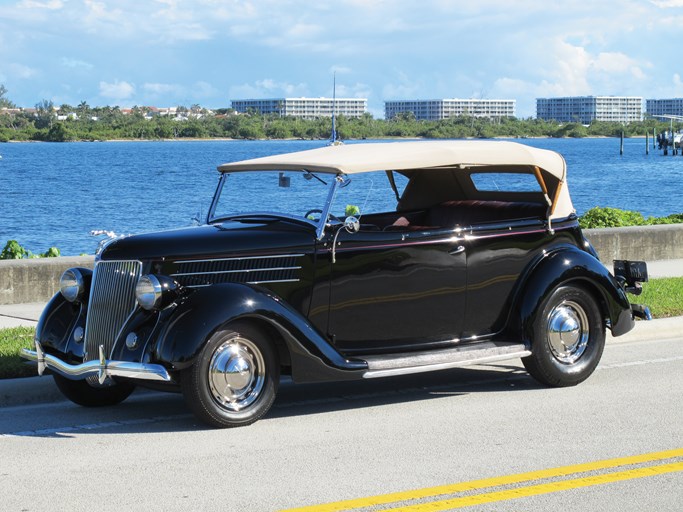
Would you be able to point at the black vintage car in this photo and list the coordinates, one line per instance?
(345, 262)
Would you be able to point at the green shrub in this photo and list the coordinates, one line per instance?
(15, 251)
(52, 252)
(610, 218)
(599, 217)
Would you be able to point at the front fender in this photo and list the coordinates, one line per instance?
(206, 310)
(56, 325)
(562, 266)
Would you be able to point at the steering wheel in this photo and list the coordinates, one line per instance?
(317, 210)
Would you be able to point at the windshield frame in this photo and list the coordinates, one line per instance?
(319, 224)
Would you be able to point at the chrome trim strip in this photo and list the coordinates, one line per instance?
(320, 230)
(247, 282)
(248, 271)
(216, 197)
(482, 358)
(101, 368)
(244, 258)
(402, 243)
(276, 281)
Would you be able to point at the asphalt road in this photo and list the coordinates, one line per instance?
(332, 442)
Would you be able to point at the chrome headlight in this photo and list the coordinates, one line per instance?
(155, 291)
(148, 292)
(71, 284)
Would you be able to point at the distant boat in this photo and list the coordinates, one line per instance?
(670, 138)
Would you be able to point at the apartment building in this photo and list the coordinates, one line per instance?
(664, 107)
(433, 110)
(586, 109)
(306, 108)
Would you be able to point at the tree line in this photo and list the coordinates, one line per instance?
(84, 123)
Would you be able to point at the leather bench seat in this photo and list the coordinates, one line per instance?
(466, 213)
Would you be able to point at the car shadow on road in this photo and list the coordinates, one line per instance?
(301, 399)
(156, 412)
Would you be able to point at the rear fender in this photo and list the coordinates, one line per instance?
(206, 310)
(571, 265)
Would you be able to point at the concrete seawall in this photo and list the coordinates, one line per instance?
(647, 243)
(36, 280)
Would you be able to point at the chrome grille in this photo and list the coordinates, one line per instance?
(112, 300)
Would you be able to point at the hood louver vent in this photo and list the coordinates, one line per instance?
(251, 270)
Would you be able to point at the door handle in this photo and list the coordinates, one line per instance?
(457, 250)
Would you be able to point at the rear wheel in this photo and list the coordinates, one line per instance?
(234, 380)
(87, 394)
(568, 338)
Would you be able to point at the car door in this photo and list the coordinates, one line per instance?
(393, 290)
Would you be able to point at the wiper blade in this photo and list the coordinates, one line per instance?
(308, 175)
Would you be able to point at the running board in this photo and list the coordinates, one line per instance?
(419, 362)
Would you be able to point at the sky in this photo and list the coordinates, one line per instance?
(180, 52)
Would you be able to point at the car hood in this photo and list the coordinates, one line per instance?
(228, 239)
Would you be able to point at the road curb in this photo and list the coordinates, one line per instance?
(35, 390)
(662, 328)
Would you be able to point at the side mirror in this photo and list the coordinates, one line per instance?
(352, 224)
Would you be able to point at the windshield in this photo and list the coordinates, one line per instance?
(292, 194)
(304, 196)
(366, 194)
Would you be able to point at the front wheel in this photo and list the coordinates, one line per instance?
(568, 338)
(82, 392)
(235, 378)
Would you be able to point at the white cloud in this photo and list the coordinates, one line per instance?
(340, 70)
(615, 62)
(668, 3)
(267, 88)
(160, 89)
(51, 5)
(117, 90)
(402, 86)
(357, 90)
(204, 90)
(75, 63)
(22, 71)
(304, 31)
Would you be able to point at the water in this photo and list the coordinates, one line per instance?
(54, 194)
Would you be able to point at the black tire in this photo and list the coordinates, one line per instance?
(235, 378)
(81, 392)
(568, 338)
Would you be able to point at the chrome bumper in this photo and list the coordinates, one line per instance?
(101, 368)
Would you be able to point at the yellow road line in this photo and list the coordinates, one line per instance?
(535, 490)
(473, 485)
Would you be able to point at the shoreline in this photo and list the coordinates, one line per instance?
(291, 139)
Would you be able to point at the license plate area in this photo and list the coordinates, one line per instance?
(630, 275)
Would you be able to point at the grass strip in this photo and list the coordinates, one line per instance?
(12, 340)
(664, 296)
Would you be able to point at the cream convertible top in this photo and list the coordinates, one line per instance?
(412, 158)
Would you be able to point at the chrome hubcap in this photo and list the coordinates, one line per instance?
(568, 331)
(236, 374)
